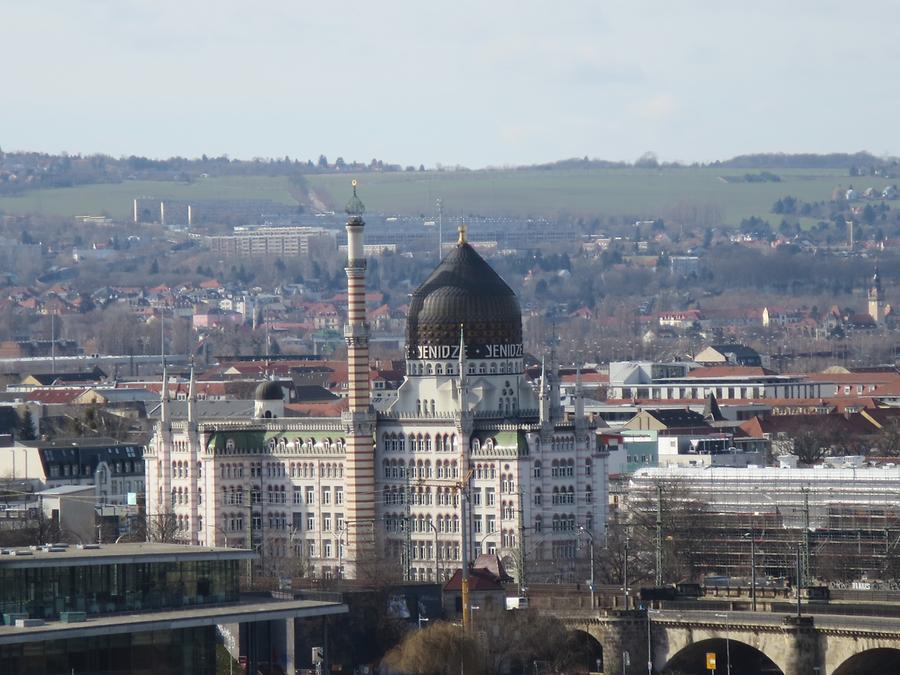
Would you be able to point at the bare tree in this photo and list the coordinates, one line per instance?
(889, 438)
(811, 445)
(156, 527)
(440, 649)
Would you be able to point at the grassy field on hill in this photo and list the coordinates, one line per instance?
(115, 199)
(643, 193)
(638, 192)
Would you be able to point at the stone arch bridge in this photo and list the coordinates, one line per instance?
(756, 642)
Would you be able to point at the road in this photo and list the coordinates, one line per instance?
(843, 621)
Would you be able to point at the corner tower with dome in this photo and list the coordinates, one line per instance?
(327, 495)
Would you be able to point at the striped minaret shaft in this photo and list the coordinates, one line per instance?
(359, 420)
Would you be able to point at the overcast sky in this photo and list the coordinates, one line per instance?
(476, 83)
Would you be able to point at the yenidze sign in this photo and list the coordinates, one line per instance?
(473, 351)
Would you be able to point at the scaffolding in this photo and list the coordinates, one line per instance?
(846, 521)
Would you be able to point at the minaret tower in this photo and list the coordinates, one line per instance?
(158, 502)
(359, 419)
(876, 299)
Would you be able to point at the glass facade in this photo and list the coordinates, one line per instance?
(174, 652)
(43, 592)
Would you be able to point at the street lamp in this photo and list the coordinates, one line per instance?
(727, 643)
(437, 576)
(752, 536)
(484, 538)
(591, 537)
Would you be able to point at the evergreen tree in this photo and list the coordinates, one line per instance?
(25, 432)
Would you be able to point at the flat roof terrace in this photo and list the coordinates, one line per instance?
(173, 619)
(63, 555)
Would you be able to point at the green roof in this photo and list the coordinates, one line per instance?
(504, 439)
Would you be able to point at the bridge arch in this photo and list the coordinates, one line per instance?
(871, 662)
(585, 651)
(745, 659)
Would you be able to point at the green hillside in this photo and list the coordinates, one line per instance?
(115, 199)
(637, 192)
(642, 193)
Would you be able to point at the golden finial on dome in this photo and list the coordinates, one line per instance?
(462, 235)
(355, 206)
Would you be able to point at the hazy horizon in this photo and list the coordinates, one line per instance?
(498, 85)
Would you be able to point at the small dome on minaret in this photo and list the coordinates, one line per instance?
(268, 400)
(268, 391)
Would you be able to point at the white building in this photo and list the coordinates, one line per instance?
(467, 447)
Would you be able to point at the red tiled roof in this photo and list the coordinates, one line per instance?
(53, 396)
(329, 409)
(479, 580)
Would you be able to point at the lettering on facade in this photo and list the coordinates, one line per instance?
(473, 351)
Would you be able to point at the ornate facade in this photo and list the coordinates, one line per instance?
(330, 494)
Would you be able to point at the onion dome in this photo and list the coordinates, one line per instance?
(268, 391)
(464, 291)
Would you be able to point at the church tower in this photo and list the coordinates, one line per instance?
(876, 299)
(359, 419)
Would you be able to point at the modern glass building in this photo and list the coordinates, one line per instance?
(130, 608)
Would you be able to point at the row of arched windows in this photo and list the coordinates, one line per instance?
(564, 523)
(326, 444)
(563, 495)
(180, 496)
(397, 468)
(285, 445)
(277, 521)
(418, 442)
(182, 469)
(562, 468)
(308, 470)
(562, 443)
(394, 495)
(276, 494)
(233, 495)
(231, 470)
(447, 523)
(485, 471)
(273, 470)
(492, 368)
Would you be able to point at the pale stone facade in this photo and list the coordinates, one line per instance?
(321, 495)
